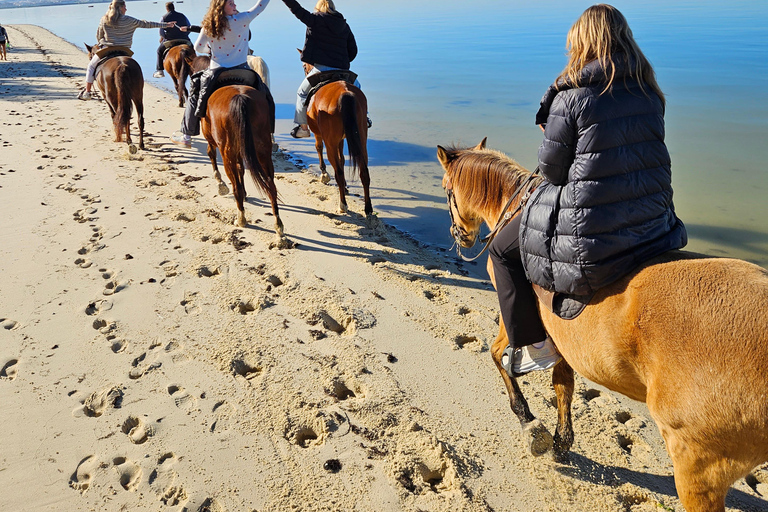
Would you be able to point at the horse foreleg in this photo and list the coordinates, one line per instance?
(365, 180)
(236, 173)
(324, 177)
(336, 159)
(538, 437)
(223, 189)
(702, 479)
(140, 114)
(563, 382)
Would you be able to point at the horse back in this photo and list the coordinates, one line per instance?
(681, 329)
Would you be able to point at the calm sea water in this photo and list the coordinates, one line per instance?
(444, 72)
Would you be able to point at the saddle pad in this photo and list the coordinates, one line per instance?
(565, 306)
(237, 77)
(114, 51)
(176, 42)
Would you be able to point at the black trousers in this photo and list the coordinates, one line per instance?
(160, 53)
(516, 297)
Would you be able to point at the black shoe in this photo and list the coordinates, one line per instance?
(370, 123)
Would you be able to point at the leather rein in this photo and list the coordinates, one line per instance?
(460, 233)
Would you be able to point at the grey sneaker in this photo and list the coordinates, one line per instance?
(158, 74)
(181, 139)
(539, 356)
(299, 133)
(84, 95)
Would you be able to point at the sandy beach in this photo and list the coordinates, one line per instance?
(155, 357)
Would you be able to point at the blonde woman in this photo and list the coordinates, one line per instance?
(224, 35)
(115, 29)
(329, 44)
(605, 205)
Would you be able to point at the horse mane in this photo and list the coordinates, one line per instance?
(486, 177)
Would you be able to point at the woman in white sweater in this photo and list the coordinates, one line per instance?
(115, 29)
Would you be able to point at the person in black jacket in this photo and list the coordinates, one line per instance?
(329, 45)
(170, 34)
(605, 205)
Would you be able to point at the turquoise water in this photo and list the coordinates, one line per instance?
(443, 72)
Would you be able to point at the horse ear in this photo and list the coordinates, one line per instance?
(482, 143)
(442, 155)
(89, 48)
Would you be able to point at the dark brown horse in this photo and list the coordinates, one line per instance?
(237, 122)
(684, 333)
(122, 85)
(178, 64)
(338, 111)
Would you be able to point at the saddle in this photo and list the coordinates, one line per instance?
(209, 80)
(109, 52)
(174, 42)
(318, 80)
(565, 306)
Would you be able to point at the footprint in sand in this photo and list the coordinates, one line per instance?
(137, 430)
(224, 412)
(130, 473)
(83, 263)
(8, 324)
(163, 482)
(141, 367)
(81, 478)
(9, 370)
(97, 306)
(190, 307)
(99, 401)
(210, 505)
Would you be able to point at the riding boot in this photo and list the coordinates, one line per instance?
(207, 81)
(190, 124)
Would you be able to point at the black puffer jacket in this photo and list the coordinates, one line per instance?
(606, 204)
(329, 40)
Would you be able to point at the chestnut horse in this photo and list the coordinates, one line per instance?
(685, 333)
(338, 111)
(121, 82)
(237, 121)
(178, 63)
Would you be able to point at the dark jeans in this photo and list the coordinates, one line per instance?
(160, 54)
(516, 297)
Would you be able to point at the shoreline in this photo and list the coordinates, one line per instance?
(155, 357)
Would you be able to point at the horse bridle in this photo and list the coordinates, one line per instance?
(459, 234)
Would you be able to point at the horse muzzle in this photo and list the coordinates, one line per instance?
(462, 237)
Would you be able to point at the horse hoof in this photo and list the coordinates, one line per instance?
(132, 149)
(223, 189)
(281, 243)
(240, 221)
(325, 178)
(539, 438)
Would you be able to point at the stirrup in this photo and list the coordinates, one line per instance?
(508, 361)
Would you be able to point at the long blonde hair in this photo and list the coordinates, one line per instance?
(325, 6)
(215, 22)
(113, 13)
(602, 33)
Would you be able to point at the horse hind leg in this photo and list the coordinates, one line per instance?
(223, 189)
(336, 159)
(538, 437)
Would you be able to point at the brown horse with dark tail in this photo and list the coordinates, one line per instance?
(178, 63)
(122, 85)
(338, 111)
(685, 333)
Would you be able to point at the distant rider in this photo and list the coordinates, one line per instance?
(170, 34)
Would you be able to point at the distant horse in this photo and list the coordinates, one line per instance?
(121, 82)
(685, 333)
(255, 62)
(178, 64)
(338, 110)
(237, 121)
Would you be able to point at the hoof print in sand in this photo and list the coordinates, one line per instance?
(130, 473)
(244, 369)
(210, 505)
(136, 430)
(469, 342)
(99, 401)
(181, 398)
(8, 324)
(9, 370)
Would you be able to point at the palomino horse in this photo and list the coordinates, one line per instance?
(178, 63)
(685, 333)
(338, 110)
(120, 81)
(237, 121)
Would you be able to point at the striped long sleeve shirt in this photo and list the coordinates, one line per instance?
(121, 33)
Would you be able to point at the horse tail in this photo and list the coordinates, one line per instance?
(348, 106)
(239, 114)
(123, 109)
(187, 56)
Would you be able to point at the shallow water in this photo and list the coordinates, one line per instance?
(440, 72)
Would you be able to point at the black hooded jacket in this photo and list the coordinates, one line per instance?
(329, 41)
(605, 206)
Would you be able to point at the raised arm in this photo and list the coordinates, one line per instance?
(301, 13)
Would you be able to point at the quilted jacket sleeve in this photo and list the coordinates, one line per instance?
(558, 149)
